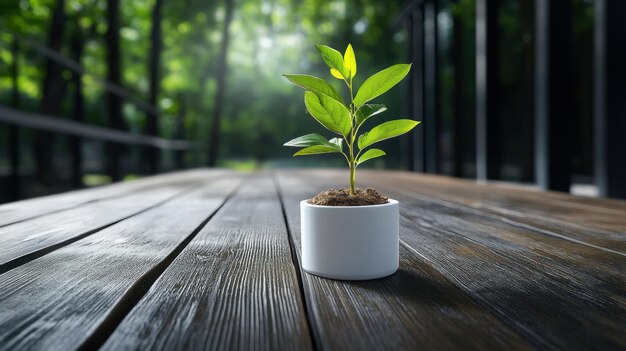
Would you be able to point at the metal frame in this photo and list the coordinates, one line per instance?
(487, 119)
(610, 98)
(553, 94)
(430, 88)
(416, 90)
(68, 127)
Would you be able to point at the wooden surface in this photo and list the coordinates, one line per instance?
(209, 259)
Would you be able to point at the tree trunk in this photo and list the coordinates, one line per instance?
(152, 122)
(51, 95)
(221, 85)
(14, 138)
(75, 141)
(114, 76)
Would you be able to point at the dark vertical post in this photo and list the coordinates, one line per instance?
(52, 93)
(416, 91)
(221, 86)
(14, 137)
(527, 129)
(75, 141)
(430, 86)
(408, 27)
(553, 94)
(152, 123)
(114, 76)
(610, 97)
(460, 107)
(487, 119)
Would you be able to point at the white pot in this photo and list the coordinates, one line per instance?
(350, 242)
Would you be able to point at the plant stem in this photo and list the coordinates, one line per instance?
(352, 162)
(352, 176)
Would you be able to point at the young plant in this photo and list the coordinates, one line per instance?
(328, 107)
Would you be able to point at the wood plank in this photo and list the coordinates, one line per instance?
(557, 293)
(233, 288)
(416, 308)
(25, 241)
(76, 295)
(598, 227)
(27, 209)
(542, 290)
(541, 199)
(600, 223)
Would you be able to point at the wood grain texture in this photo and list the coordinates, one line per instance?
(234, 287)
(597, 222)
(557, 293)
(416, 308)
(27, 209)
(24, 241)
(74, 295)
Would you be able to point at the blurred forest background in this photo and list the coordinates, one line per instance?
(193, 83)
(212, 69)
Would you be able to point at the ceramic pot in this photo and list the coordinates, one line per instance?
(350, 242)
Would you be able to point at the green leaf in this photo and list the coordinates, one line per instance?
(336, 141)
(307, 140)
(334, 60)
(314, 84)
(329, 112)
(380, 82)
(349, 61)
(368, 110)
(370, 154)
(385, 131)
(315, 150)
(315, 139)
(336, 74)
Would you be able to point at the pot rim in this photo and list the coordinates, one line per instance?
(391, 202)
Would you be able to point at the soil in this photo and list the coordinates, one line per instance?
(342, 197)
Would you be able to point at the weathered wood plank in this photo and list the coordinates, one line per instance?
(24, 241)
(416, 308)
(27, 209)
(597, 226)
(602, 213)
(76, 295)
(599, 223)
(542, 290)
(234, 287)
(557, 293)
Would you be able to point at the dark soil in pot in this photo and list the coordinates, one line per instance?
(342, 197)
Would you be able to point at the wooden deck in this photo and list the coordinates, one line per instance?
(209, 259)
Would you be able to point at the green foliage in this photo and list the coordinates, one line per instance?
(327, 106)
(386, 130)
(368, 110)
(269, 38)
(315, 139)
(380, 82)
(332, 114)
(334, 60)
(370, 154)
(314, 84)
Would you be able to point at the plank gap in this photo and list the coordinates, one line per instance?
(61, 200)
(512, 222)
(139, 289)
(14, 263)
(460, 286)
(296, 263)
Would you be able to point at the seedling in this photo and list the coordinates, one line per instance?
(327, 106)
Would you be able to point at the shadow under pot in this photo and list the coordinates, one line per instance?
(350, 242)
